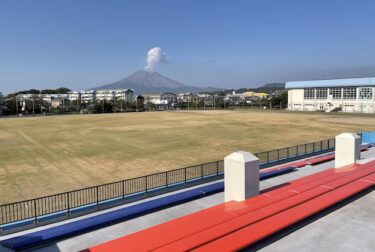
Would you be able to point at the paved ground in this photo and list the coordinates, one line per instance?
(350, 228)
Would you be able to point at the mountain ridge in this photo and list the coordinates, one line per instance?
(152, 82)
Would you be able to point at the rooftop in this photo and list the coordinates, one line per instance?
(351, 82)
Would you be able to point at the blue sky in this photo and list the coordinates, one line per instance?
(230, 44)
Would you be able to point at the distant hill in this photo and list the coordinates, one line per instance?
(153, 82)
(274, 85)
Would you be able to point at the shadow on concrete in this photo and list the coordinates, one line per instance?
(263, 243)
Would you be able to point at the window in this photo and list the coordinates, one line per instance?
(335, 93)
(308, 93)
(321, 93)
(365, 93)
(350, 93)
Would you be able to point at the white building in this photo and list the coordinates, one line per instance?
(346, 95)
(105, 94)
(153, 98)
(51, 97)
(124, 94)
(87, 96)
(74, 96)
(102, 94)
(234, 97)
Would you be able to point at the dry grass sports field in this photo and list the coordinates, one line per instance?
(46, 155)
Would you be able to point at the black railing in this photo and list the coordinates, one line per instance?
(125, 191)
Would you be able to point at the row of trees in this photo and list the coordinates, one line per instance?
(10, 105)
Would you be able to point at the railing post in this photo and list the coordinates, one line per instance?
(185, 174)
(97, 197)
(146, 184)
(166, 179)
(201, 171)
(268, 157)
(217, 168)
(287, 152)
(36, 216)
(68, 203)
(123, 190)
(2, 215)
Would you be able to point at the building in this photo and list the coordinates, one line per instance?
(161, 101)
(54, 97)
(60, 101)
(346, 95)
(124, 94)
(114, 94)
(153, 98)
(88, 96)
(104, 95)
(74, 96)
(169, 98)
(255, 95)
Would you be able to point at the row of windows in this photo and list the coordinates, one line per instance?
(338, 93)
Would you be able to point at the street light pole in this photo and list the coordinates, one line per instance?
(16, 105)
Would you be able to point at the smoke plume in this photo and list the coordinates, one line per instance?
(154, 56)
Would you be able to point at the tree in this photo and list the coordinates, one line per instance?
(100, 107)
(60, 90)
(10, 106)
(280, 99)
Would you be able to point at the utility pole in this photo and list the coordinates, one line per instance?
(16, 105)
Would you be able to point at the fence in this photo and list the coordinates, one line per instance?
(125, 191)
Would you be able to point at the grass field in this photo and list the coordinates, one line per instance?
(46, 155)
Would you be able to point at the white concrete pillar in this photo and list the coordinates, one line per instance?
(241, 176)
(347, 150)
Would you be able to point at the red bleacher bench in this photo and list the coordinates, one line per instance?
(237, 225)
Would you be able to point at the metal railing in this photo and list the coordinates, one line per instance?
(125, 191)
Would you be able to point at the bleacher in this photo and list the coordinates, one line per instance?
(42, 237)
(229, 226)
(237, 225)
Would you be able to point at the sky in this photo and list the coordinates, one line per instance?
(228, 44)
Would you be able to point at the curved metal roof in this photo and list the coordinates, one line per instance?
(351, 82)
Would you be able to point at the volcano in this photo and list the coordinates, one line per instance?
(153, 82)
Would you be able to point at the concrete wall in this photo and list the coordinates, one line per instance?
(297, 102)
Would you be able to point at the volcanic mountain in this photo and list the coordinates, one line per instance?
(152, 82)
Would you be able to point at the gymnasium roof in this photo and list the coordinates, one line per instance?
(351, 82)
